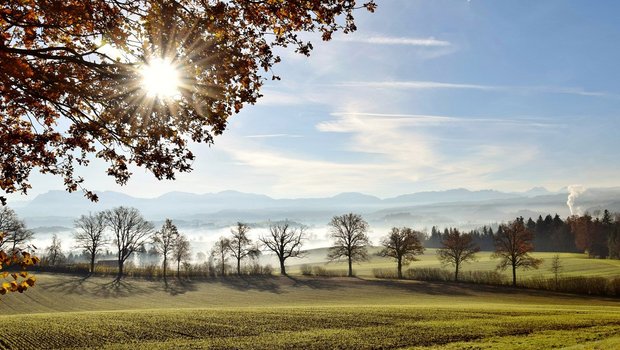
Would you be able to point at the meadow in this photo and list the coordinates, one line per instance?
(65, 311)
(574, 264)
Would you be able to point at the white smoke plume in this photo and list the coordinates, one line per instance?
(573, 192)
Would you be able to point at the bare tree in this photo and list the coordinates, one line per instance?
(241, 246)
(350, 239)
(8, 219)
(16, 232)
(89, 235)
(556, 268)
(402, 244)
(457, 248)
(53, 253)
(219, 253)
(181, 252)
(285, 241)
(164, 242)
(513, 243)
(130, 231)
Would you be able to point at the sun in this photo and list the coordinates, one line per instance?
(160, 79)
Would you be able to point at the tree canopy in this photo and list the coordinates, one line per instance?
(286, 241)
(71, 85)
(90, 235)
(402, 244)
(129, 230)
(16, 234)
(349, 232)
(241, 245)
(164, 242)
(457, 248)
(513, 244)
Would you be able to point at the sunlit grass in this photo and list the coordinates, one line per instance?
(361, 327)
(573, 264)
(299, 312)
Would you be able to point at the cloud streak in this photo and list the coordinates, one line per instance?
(418, 120)
(267, 136)
(386, 40)
(435, 85)
(382, 152)
(413, 85)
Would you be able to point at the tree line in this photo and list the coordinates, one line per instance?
(597, 235)
(126, 230)
(513, 243)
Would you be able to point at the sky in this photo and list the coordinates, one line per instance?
(426, 95)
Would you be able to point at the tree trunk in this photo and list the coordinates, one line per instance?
(165, 263)
(238, 266)
(514, 276)
(456, 273)
(92, 264)
(120, 269)
(400, 268)
(282, 268)
(178, 269)
(350, 267)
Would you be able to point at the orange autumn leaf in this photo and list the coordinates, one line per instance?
(20, 258)
(30, 281)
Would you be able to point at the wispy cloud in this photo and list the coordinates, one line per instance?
(387, 40)
(434, 85)
(385, 151)
(274, 97)
(351, 121)
(266, 136)
(430, 120)
(405, 139)
(413, 85)
(335, 93)
(286, 173)
(568, 91)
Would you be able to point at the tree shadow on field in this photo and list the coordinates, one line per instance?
(473, 289)
(421, 287)
(118, 288)
(77, 285)
(245, 283)
(104, 288)
(97, 287)
(327, 283)
(174, 287)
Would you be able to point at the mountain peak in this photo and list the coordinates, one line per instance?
(355, 195)
(537, 191)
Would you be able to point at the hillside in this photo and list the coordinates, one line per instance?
(300, 313)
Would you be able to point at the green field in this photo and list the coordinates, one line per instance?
(574, 264)
(299, 312)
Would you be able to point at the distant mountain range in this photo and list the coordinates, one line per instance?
(460, 207)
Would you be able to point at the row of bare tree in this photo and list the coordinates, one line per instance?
(129, 231)
(284, 240)
(349, 232)
(513, 243)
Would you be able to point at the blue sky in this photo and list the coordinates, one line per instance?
(427, 95)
